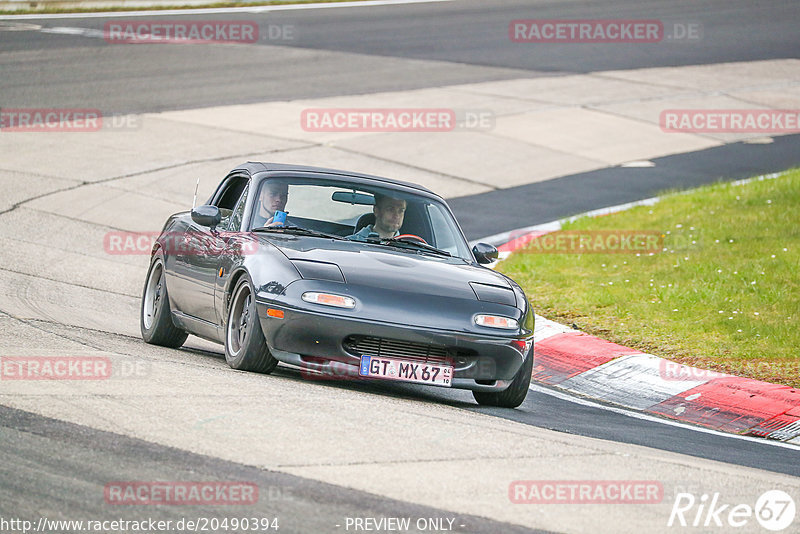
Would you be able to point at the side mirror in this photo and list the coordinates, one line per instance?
(206, 216)
(485, 253)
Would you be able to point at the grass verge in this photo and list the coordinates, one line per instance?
(722, 292)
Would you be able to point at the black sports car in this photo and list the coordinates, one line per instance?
(343, 275)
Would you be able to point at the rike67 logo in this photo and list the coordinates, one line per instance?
(774, 510)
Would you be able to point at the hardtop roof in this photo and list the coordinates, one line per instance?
(254, 167)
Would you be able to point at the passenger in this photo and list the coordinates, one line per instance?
(274, 196)
(389, 213)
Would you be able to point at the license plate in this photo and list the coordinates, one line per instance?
(407, 371)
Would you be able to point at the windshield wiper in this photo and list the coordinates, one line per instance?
(417, 244)
(296, 230)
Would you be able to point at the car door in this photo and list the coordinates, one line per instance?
(204, 250)
(234, 244)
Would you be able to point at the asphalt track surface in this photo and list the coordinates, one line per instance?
(47, 462)
(544, 410)
(49, 467)
(504, 209)
(394, 45)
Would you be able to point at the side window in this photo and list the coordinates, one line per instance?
(235, 223)
(229, 196)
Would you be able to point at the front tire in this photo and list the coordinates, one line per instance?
(245, 346)
(155, 318)
(515, 394)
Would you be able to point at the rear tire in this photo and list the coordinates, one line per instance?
(245, 346)
(155, 318)
(515, 394)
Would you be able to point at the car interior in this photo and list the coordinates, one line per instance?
(417, 220)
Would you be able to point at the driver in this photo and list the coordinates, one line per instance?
(274, 196)
(389, 213)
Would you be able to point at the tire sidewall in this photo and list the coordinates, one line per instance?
(525, 372)
(235, 360)
(149, 333)
(517, 391)
(522, 380)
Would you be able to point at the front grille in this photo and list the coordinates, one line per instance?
(392, 348)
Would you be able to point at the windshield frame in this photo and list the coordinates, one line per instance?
(363, 184)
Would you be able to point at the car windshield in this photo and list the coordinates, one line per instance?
(368, 214)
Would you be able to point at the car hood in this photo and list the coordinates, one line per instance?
(385, 267)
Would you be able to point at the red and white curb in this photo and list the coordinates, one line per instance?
(592, 367)
(588, 366)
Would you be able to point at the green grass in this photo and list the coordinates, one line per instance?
(723, 294)
(47, 8)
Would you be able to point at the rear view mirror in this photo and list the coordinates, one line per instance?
(484, 253)
(206, 216)
(351, 197)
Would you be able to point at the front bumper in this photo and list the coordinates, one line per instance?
(323, 343)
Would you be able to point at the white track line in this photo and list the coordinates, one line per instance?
(214, 11)
(651, 418)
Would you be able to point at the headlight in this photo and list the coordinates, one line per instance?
(496, 321)
(329, 299)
